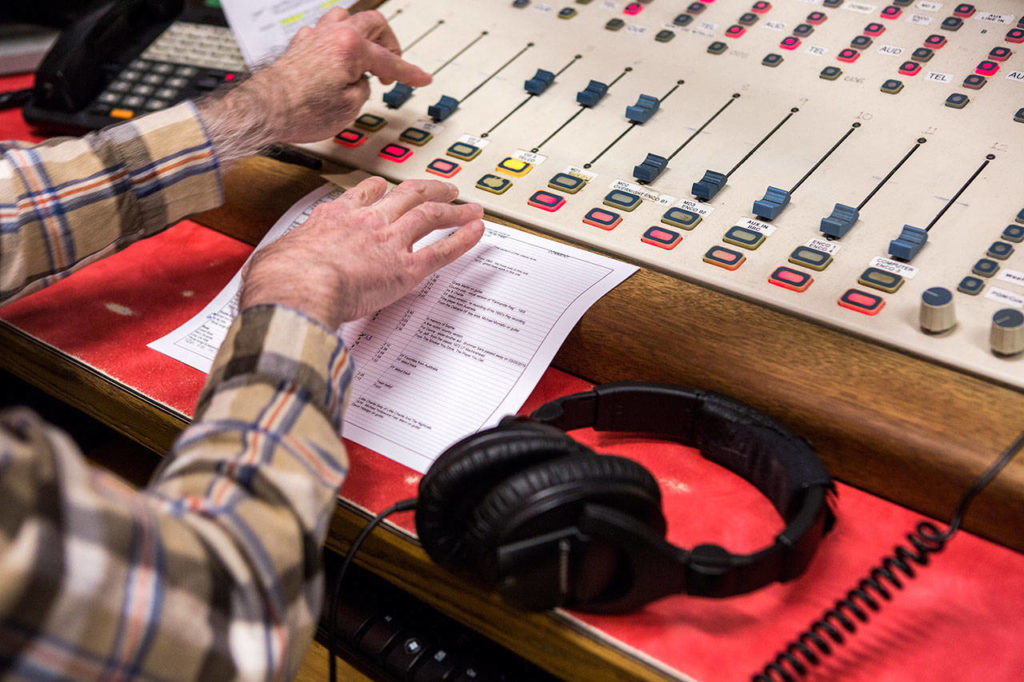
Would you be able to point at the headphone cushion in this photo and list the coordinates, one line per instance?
(467, 471)
(614, 481)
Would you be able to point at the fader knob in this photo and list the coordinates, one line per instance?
(938, 313)
(1007, 335)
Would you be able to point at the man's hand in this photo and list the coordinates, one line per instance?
(354, 255)
(315, 89)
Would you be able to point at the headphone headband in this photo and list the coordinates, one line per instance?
(780, 464)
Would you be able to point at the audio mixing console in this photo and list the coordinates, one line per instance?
(860, 164)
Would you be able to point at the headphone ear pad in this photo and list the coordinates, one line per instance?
(468, 470)
(551, 496)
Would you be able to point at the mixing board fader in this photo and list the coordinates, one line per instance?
(859, 164)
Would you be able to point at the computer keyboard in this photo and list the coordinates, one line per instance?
(394, 637)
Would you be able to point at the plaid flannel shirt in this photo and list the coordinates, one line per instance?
(213, 572)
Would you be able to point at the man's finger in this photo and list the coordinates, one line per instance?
(442, 252)
(411, 194)
(389, 67)
(426, 218)
(372, 25)
(333, 15)
(366, 193)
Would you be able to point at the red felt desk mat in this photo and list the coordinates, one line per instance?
(958, 621)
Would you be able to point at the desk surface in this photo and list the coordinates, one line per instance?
(962, 602)
(947, 624)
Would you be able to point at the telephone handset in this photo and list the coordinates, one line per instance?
(128, 57)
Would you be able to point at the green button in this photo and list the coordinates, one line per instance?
(717, 47)
(466, 152)
(830, 73)
(892, 86)
(416, 136)
(881, 280)
(370, 122)
(621, 200)
(742, 236)
(810, 258)
(971, 285)
(493, 184)
(680, 217)
(570, 184)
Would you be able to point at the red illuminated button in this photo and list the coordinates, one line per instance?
(598, 217)
(964, 10)
(874, 29)
(910, 68)
(1015, 35)
(1000, 54)
(935, 41)
(350, 138)
(395, 152)
(724, 258)
(986, 68)
(788, 278)
(761, 7)
(735, 31)
(861, 301)
(891, 12)
(816, 18)
(632, 8)
(546, 201)
(443, 167)
(790, 43)
(660, 237)
(848, 55)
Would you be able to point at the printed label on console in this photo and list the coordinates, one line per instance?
(891, 50)
(938, 77)
(610, 4)
(529, 157)
(580, 173)
(823, 245)
(543, 8)
(920, 19)
(475, 141)
(893, 266)
(775, 25)
(1011, 276)
(1004, 296)
(634, 28)
(695, 207)
(429, 125)
(757, 226)
(994, 18)
(1016, 76)
(859, 7)
(643, 192)
(818, 50)
(929, 6)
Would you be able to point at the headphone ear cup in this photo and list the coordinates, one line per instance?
(468, 470)
(550, 496)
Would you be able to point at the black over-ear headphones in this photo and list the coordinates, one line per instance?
(545, 521)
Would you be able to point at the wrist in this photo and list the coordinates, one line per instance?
(239, 121)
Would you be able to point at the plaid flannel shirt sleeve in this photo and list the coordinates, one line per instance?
(213, 572)
(69, 201)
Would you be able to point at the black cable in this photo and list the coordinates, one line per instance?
(798, 657)
(15, 98)
(404, 505)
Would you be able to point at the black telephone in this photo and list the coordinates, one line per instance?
(124, 58)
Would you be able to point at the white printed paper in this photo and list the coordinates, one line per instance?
(453, 356)
(263, 28)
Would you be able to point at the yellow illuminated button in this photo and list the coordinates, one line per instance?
(514, 167)
(493, 184)
(621, 200)
(122, 113)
